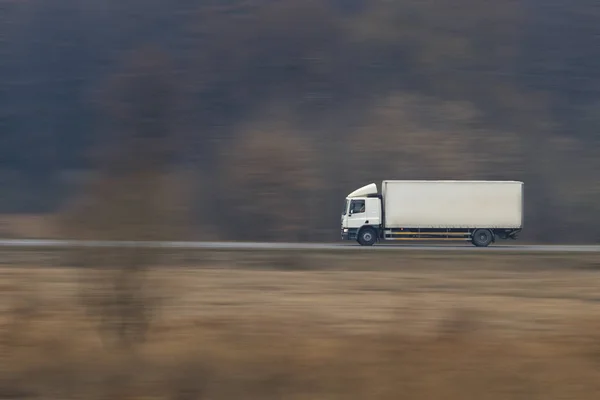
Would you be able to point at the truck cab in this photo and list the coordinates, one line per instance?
(362, 215)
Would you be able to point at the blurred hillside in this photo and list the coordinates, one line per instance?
(272, 111)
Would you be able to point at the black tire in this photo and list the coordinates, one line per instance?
(482, 237)
(367, 237)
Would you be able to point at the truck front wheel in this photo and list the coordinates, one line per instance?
(367, 237)
(482, 237)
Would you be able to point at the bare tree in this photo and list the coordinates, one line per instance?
(129, 200)
(272, 173)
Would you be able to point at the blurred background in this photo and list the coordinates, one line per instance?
(264, 114)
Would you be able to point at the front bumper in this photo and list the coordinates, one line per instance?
(349, 234)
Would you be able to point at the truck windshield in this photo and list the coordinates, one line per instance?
(345, 207)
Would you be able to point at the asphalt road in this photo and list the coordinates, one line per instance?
(466, 247)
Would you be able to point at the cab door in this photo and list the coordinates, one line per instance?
(357, 213)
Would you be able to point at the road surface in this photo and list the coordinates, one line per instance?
(467, 247)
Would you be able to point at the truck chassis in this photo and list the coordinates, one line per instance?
(369, 235)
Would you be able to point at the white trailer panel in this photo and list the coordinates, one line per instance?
(453, 204)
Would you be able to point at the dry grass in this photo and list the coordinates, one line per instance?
(27, 226)
(323, 326)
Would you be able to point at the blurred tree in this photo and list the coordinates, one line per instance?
(272, 181)
(131, 199)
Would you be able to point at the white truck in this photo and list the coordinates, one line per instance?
(469, 211)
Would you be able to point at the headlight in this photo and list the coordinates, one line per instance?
(345, 230)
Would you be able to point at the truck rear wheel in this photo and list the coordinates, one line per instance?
(482, 237)
(367, 237)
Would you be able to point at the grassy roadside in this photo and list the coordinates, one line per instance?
(305, 325)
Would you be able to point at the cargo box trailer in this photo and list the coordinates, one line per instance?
(471, 211)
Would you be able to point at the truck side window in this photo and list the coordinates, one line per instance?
(357, 206)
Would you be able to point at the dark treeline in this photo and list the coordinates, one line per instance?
(278, 109)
